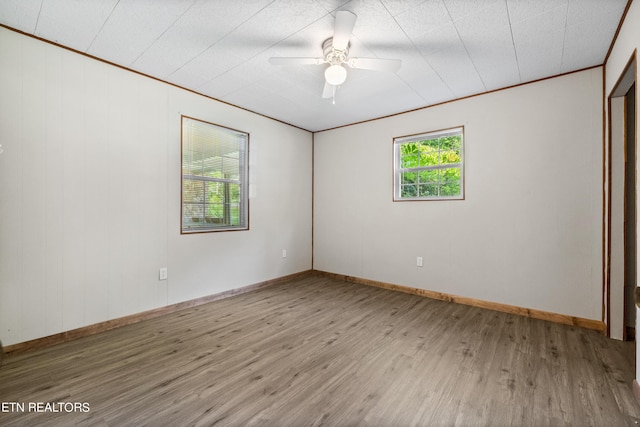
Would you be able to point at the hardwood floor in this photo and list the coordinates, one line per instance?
(318, 351)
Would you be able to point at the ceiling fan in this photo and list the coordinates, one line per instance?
(336, 53)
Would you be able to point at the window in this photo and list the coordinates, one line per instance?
(214, 177)
(429, 166)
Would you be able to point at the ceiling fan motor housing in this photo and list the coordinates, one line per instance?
(332, 55)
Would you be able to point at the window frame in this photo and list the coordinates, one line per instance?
(242, 182)
(397, 170)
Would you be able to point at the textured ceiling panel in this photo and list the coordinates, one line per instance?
(582, 48)
(275, 23)
(427, 19)
(306, 42)
(425, 82)
(369, 90)
(54, 16)
(190, 79)
(461, 9)
(375, 27)
(211, 63)
(398, 7)
(486, 35)
(524, 10)
(540, 56)
(224, 85)
(332, 5)
(134, 25)
(537, 61)
(599, 13)
(457, 70)
(242, 76)
(221, 48)
(590, 24)
(20, 14)
(192, 34)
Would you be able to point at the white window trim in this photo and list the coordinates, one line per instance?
(397, 170)
(242, 182)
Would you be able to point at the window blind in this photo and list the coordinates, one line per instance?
(214, 177)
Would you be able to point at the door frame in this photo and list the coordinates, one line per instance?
(614, 311)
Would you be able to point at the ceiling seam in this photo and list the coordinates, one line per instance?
(513, 41)
(335, 9)
(163, 33)
(219, 39)
(484, 85)
(411, 41)
(564, 37)
(102, 27)
(35, 28)
(419, 53)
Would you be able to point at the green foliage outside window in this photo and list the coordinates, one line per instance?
(430, 168)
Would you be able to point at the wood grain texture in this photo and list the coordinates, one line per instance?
(320, 351)
(505, 308)
(138, 317)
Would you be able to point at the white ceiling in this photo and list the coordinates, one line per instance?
(220, 48)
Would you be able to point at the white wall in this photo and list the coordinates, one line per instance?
(627, 43)
(529, 233)
(90, 195)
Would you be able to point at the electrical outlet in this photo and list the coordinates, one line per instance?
(284, 253)
(163, 273)
(419, 261)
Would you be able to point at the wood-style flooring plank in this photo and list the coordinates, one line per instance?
(317, 351)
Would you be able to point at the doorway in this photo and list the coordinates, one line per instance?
(630, 224)
(622, 265)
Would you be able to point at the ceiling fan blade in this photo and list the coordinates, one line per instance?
(376, 64)
(343, 27)
(328, 90)
(295, 61)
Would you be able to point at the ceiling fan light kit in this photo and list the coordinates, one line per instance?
(335, 75)
(335, 53)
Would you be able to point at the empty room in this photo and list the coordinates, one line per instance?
(319, 212)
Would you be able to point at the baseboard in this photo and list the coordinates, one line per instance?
(505, 308)
(161, 311)
(138, 317)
